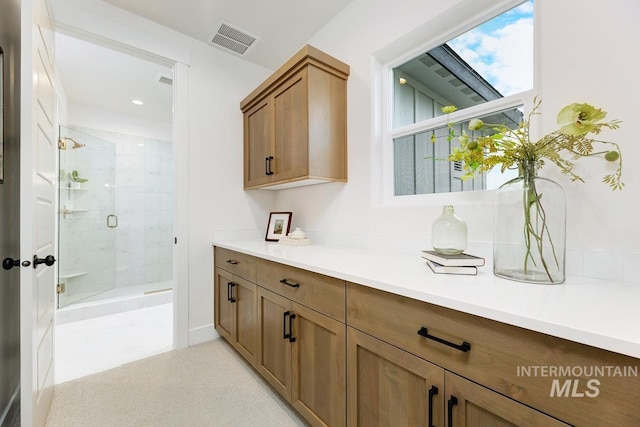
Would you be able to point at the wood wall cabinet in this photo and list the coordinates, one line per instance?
(295, 124)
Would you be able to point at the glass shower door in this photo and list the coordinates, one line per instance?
(87, 220)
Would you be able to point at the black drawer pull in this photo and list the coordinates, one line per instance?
(267, 165)
(230, 297)
(285, 335)
(291, 337)
(288, 283)
(232, 261)
(465, 346)
(450, 404)
(432, 392)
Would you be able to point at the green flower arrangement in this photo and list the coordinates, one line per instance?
(498, 144)
(512, 148)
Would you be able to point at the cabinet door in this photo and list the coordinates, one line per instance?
(290, 127)
(274, 350)
(390, 387)
(223, 308)
(318, 389)
(246, 327)
(257, 144)
(472, 405)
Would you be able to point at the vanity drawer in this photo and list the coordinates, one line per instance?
(236, 263)
(505, 358)
(321, 293)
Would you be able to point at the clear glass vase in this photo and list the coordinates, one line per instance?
(529, 229)
(449, 233)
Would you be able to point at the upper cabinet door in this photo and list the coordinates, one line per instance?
(291, 136)
(257, 144)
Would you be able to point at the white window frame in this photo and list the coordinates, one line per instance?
(386, 61)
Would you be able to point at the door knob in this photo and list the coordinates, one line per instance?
(9, 263)
(48, 260)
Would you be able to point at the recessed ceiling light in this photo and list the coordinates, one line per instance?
(137, 101)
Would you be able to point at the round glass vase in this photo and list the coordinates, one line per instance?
(449, 233)
(529, 229)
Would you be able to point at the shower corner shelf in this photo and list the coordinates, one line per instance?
(72, 275)
(64, 211)
(68, 211)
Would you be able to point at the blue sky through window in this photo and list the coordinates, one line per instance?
(501, 50)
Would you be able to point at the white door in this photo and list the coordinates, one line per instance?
(37, 211)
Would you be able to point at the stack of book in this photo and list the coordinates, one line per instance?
(452, 264)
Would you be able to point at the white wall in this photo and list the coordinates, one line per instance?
(587, 53)
(97, 118)
(217, 82)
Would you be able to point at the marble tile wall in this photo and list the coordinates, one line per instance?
(142, 199)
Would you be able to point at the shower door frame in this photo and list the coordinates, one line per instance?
(177, 58)
(78, 206)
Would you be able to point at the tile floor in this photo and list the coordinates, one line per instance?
(93, 345)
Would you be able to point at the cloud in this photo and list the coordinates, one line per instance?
(503, 55)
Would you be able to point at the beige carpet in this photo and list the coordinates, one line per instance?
(205, 385)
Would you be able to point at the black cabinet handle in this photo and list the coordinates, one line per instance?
(465, 346)
(291, 337)
(450, 404)
(285, 335)
(232, 261)
(432, 392)
(267, 165)
(230, 297)
(288, 283)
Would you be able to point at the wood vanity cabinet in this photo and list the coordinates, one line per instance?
(343, 353)
(482, 363)
(302, 352)
(391, 387)
(295, 124)
(235, 300)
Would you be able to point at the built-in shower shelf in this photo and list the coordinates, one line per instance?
(72, 275)
(68, 211)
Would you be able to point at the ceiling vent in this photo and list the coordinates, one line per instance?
(233, 39)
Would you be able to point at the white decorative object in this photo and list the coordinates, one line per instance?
(296, 238)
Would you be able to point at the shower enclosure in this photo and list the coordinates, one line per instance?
(115, 216)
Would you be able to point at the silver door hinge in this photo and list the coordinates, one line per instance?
(60, 288)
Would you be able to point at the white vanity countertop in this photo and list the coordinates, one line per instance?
(595, 312)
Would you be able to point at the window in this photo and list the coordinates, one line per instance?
(486, 72)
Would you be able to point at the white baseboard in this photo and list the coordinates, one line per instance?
(202, 334)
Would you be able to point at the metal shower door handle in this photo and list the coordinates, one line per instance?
(112, 221)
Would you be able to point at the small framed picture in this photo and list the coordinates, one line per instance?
(279, 225)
